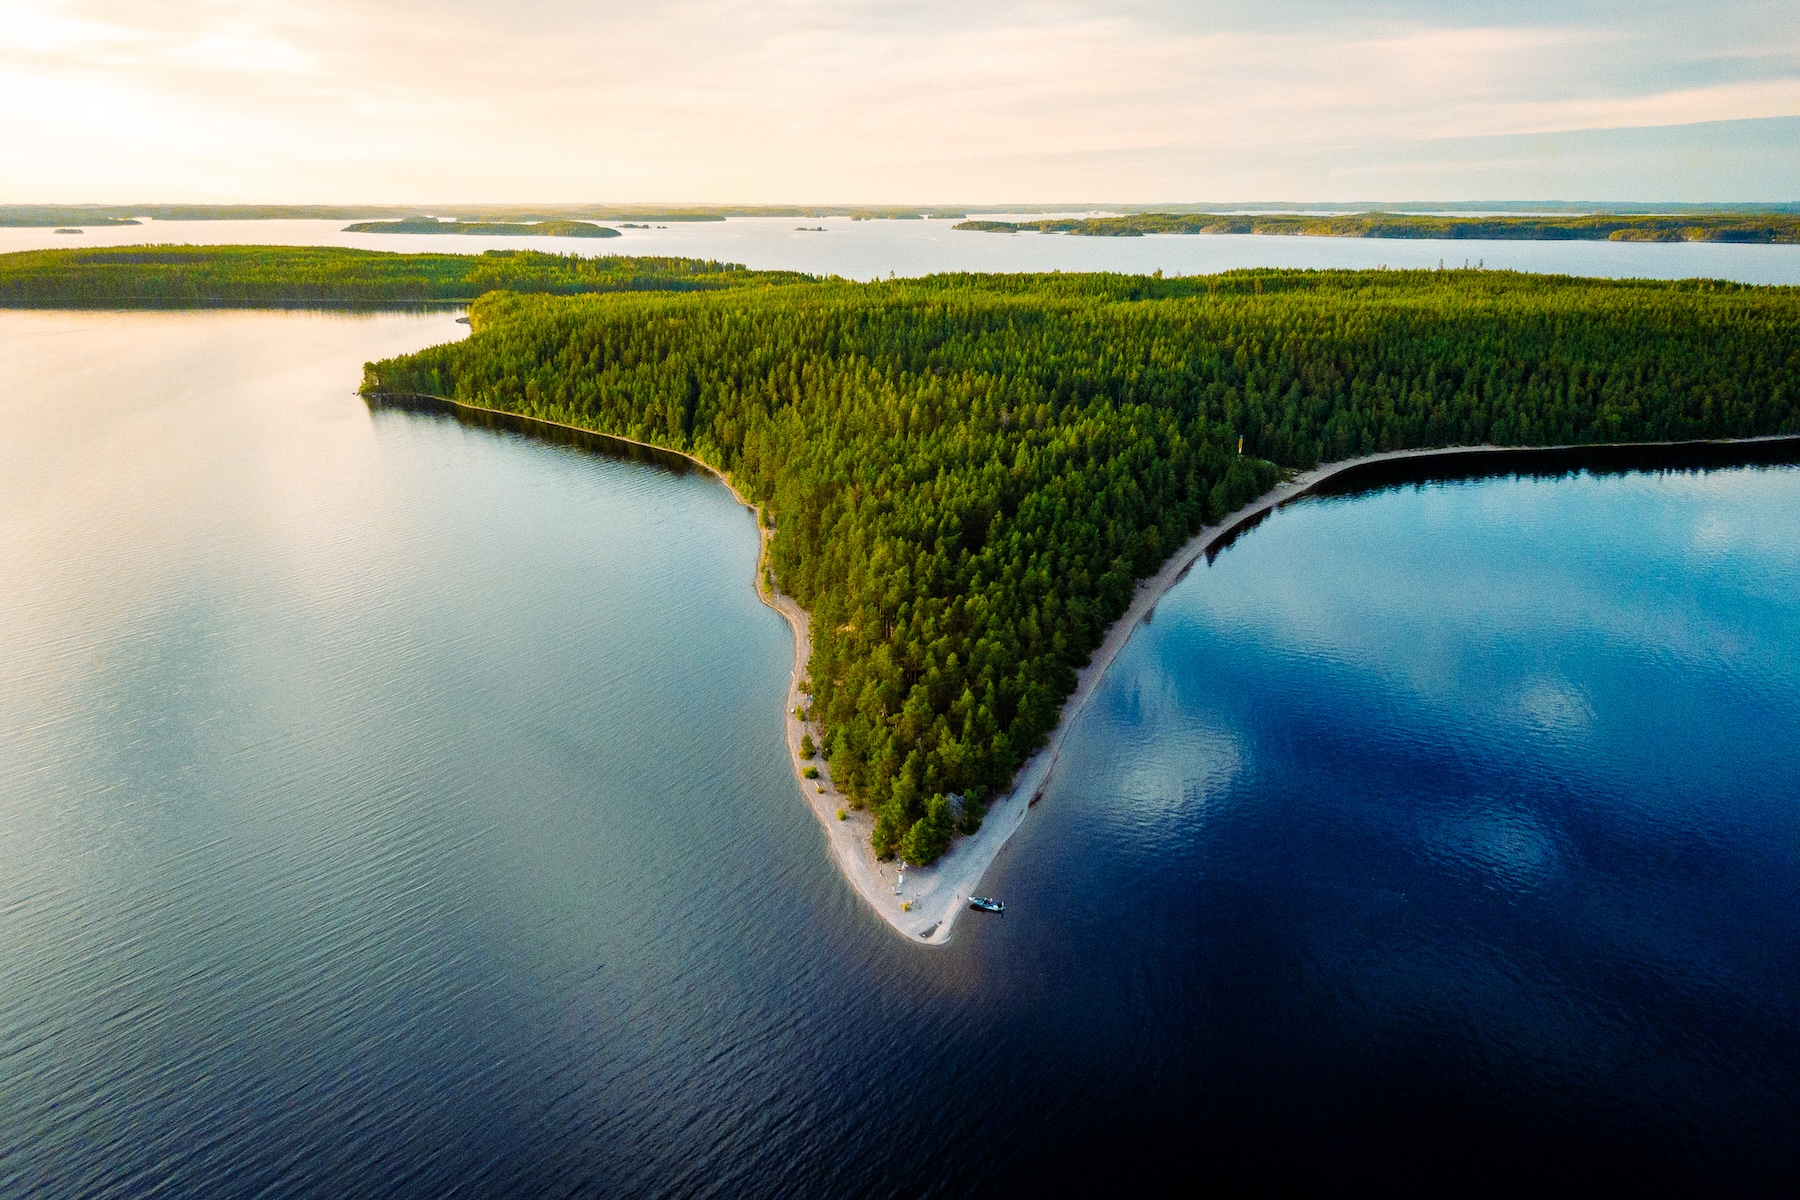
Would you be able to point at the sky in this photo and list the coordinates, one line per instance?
(873, 101)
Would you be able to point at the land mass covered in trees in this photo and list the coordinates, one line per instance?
(21, 217)
(1763, 227)
(430, 225)
(130, 214)
(241, 276)
(966, 474)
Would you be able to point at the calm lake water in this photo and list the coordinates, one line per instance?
(392, 807)
(868, 249)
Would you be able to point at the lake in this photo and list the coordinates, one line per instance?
(393, 807)
(870, 249)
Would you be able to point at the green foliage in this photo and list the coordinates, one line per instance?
(807, 749)
(44, 218)
(969, 473)
(1783, 227)
(885, 838)
(246, 276)
(930, 835)
(810, 773)
(428, 225)
(973, 811)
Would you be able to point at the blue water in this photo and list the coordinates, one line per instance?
(1465, 820)
(392, 807)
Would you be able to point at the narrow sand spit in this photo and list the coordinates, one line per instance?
(925, 903)
(940, 893)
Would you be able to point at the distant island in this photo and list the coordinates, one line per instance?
(430, 225)
(1763, 228)
(71, 231)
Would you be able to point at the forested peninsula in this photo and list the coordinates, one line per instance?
(967, 474)
(430, 225)
(1763, 228)
(25, 217)
(248, 276)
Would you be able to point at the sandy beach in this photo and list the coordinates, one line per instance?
(923, 903)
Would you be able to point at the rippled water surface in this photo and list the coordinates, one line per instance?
(389, 807)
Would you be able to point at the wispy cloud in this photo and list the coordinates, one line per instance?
(806, 99)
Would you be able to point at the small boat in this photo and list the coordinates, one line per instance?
(986, 904)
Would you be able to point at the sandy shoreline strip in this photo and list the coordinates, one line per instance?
(924, 904)
(941, 893)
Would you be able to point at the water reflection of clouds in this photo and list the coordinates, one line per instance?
(1166, 755)
(1521, 563)
(1502, 844)
(1555, 706)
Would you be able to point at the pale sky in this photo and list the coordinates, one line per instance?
(834, 101)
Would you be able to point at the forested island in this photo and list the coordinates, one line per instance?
(431, 225)
(967, 474)
(1762, 228)
(240, 276)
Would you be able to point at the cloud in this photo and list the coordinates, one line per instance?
(800, 99)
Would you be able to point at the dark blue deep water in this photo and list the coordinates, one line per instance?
(390, 807)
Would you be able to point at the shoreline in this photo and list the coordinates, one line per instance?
(848, 839)
(960, 871)
(937, 895)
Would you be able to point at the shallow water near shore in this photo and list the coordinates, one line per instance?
(395, 807)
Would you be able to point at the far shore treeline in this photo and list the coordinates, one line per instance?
(1754, 227)
(46, 215)
(967, 473)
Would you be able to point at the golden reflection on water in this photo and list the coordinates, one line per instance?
(116, 420)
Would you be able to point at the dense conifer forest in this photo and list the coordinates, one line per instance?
(238, 276)
(432, 226)
(1764, 227)
(966, 474)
